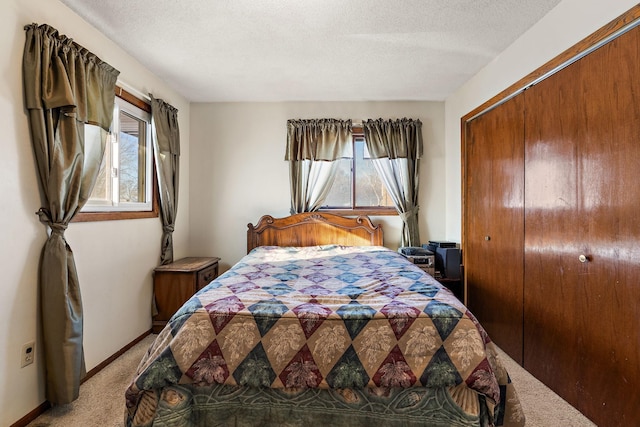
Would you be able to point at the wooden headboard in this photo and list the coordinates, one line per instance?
(313, 228)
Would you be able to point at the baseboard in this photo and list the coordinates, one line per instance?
(44, 406)
(31, 416)
(119, 353)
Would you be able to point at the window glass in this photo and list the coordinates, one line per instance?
(340, 194)
(358, 185)
(125, 181)
(371, 191)
(132, 160)
(102, 187)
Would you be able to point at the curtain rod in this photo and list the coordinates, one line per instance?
(133, 90)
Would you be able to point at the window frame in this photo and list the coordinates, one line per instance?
(111, 215)
(358, 133)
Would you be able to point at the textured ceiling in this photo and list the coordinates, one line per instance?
(313, 50)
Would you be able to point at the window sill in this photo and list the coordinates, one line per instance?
(362, 211)
(114, 216)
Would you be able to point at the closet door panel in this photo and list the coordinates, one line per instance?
(610, 199)
(582, 319)
(494, 216)
(552, 236)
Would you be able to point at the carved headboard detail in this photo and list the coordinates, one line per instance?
(313, 228)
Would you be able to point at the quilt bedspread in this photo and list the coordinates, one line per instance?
(329, 317)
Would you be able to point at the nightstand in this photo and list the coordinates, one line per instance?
(175, 283)
(454, 285)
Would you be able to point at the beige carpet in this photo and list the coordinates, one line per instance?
(541, 406)
(101, 401)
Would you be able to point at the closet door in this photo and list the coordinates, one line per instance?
(494, 227)
(582, 233)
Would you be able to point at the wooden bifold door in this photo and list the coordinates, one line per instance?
(567, 306)
(494, 240)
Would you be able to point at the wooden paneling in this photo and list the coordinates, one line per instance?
(582, 319)
(494, 223)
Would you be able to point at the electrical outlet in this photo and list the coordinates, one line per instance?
(28, 354)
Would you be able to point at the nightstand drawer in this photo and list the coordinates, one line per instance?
(206, 276)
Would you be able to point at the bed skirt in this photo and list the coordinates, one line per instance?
(223, 405)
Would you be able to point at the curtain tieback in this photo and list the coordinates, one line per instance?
(168, 228)
(404, 216)
(45, 217)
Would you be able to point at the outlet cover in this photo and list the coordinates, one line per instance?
(28, 354)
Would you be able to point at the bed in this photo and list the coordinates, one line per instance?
(320, 324)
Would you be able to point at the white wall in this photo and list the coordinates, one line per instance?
(238, 171)
(114, 258)
(564, 26)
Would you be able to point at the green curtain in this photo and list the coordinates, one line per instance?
(65, 88)
(166, 148)
(396, 147)
(312, 148)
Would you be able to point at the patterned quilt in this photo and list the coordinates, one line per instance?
(328, 317)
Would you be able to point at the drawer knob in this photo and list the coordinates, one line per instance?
(583, 258)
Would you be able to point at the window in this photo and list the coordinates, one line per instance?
(358, 187)
(125, 187)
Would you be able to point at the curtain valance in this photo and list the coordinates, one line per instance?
(318, 139)
(59, 73)
(394, 139)
(165, 119)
